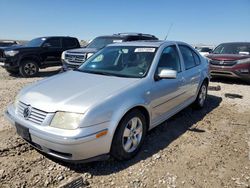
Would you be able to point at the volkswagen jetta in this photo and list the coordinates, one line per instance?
(107, 105)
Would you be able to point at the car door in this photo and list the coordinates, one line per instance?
(167, 94)
(52, 50)
(192, 72)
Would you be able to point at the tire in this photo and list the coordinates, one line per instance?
(13, 71)
(202, 96)
(129, 136)
(28, 68)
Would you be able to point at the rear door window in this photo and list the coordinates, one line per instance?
(188, 57)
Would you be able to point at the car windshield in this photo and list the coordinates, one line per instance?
(35, 42)
(232, 49)
(101, 42)
(121, 61)
(6, 44)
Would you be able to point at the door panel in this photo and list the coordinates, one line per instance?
(192, 71)
(51, 54)
(167, 94)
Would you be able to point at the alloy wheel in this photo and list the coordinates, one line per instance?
(132, 134)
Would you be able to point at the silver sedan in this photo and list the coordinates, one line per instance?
(106, 106)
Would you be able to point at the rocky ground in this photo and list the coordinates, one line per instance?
(205, 148)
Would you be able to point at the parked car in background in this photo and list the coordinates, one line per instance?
(74, 58)
(204, 51)
(38, 53)
(117, 95)
(7, 43)
(231, 60)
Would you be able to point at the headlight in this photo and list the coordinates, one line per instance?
(66, 120)
(11, 52)
(89, 55)
(63, 55)
(242, 61)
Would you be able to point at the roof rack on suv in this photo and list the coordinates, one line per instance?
(137, 34)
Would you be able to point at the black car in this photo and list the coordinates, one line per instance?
(74, 58)
(38, 53)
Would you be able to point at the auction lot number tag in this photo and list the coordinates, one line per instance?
(145, 50)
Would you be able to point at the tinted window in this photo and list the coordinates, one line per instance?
(232, 48)
(101, 42)
(35, 42)
(54, 42)
(196, 58)
(169, 59)
(188, 57)
(69, 43)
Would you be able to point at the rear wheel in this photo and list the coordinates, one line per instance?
(28, 68)
(202, 96)
(129, 136)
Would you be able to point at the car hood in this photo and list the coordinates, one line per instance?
(20, 47)
(73, 91)
(227, 57)
(83, 50)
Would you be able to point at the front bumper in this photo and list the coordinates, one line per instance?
(9, 62)
(81, 144)
(241, 71)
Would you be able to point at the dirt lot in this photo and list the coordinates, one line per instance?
(206, 148)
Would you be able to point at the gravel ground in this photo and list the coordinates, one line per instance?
(205, 148)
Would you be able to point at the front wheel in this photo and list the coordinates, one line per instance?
(28, 68)
(202, 96)
(129, 135)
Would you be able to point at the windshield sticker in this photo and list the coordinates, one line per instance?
(145, 50)
(115, 41)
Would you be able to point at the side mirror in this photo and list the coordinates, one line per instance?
(46, 45)
(167, 74)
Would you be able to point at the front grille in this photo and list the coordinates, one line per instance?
(36, 116)
(75, 59)
(223, 63)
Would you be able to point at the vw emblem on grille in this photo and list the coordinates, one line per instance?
(221, 62)
(27, 112)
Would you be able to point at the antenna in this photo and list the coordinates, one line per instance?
(170, 27)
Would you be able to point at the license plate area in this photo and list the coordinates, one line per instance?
(23, 132)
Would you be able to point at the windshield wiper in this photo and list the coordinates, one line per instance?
(94, 72)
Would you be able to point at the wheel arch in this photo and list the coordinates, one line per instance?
(31, 58)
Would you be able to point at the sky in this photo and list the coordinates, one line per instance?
(191, 21)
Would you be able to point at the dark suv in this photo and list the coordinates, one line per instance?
(38, 53)
(231, 60)
(74, 58)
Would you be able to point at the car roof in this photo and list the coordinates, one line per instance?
(244, 43)
(47, 37)
(149, 43)
(126, 35)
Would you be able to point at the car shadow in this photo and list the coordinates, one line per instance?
(229, 81)
(157, 139)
